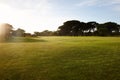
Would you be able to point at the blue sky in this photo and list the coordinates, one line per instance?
(39, 15)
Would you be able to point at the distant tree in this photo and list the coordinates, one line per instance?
(27, 35)
(118, 30)
(19, 32)
(108, 29)
(91, 27)
(102, 30)
(37, 33)
(112, 27)
(77, 28)
(46, 33)
(55, 33)
(5, 31)
(83, 28)
(69, 28)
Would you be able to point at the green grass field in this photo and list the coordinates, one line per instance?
(60, 58)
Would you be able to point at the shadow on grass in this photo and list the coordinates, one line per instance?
(24, 39)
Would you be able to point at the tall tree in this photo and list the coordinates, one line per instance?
(69, 28)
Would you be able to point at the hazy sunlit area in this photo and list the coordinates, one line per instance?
(59, 40)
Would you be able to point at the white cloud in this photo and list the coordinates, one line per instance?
(98, 3)
(87, 3)
(35, 5)
(116, 5)
(112, 4)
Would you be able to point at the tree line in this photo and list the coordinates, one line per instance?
(69, 28)
(77, 28)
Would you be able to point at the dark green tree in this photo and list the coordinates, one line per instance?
(77, 28)
(69, 28)
(108, 29)
(91, 27)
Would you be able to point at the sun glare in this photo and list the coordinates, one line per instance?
(5, 29)
(1, 30)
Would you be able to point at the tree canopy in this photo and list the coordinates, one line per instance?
(77, 28)
(19, 32)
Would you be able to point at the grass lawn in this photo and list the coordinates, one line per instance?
(60, 58)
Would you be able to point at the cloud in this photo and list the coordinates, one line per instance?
(35, 5)
(98, 3)
(113, 4)
(87, 3)
(116, 5)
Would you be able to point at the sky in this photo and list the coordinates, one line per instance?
(40, 15)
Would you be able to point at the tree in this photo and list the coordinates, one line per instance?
(37, 33)
(102, 30)
(27, 35)
(112, 27)
(108, 29)
(19, 32)
(5, 31)
(91, 27)
(46, 33)
(74, 28)
(69, 28)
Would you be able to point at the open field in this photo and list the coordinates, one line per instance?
(60, 58)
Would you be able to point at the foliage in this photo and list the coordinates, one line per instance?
(19, 32)
(46, 33)
(77, 28)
